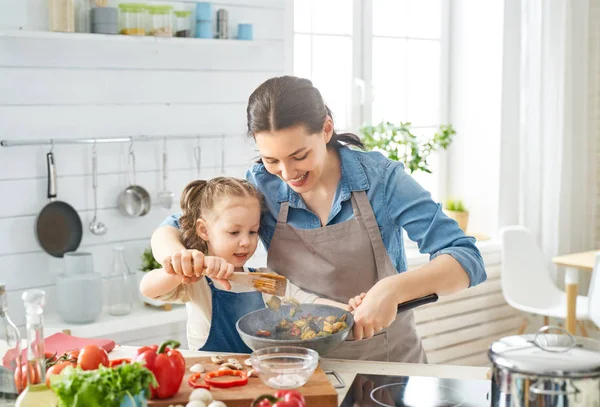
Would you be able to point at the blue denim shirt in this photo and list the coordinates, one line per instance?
(398, 202)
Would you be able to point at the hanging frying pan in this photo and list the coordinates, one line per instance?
(58, 227)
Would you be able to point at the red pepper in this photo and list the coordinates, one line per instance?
(168, 366)
(282, 398)
(193, 382)
(290, 398)
(243, 378)
(117, 362)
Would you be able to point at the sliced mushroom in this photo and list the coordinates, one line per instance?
(217, 359)
(232, 366)
(197, 368)
(234, 361)
(248, 362)
(252, 373)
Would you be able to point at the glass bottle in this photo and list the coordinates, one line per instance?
(183, 23)
(61, 15)
(119, 285)
(35, 394)
(10, 348)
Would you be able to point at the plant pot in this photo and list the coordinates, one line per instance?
(461, 217)
(147, 300)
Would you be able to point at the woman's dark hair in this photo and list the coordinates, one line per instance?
(288, 101)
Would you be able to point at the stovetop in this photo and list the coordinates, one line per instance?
(416, 391)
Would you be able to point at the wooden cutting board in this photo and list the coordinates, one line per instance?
(318, 391)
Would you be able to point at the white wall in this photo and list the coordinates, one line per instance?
(475, 108)
(84, 86)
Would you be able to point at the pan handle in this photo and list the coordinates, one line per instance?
(51, 176)
(405, 306)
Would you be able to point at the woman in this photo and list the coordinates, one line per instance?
(335, 218)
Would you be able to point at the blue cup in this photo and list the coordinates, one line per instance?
(204, 11)
(204, 29)
(245, 32)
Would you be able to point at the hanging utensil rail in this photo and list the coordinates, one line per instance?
(54, 141)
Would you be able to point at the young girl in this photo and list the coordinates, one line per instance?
(220, 218)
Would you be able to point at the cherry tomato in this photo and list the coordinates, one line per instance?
(92, 356)
(20, 376)
(56, 369)
(73, 355)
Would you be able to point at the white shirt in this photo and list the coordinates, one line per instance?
(197, 298)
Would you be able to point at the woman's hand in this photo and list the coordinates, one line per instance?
(377, 310)
(191, 265)
(356, 301)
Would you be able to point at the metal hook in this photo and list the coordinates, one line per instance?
(94, 148)
(51, 145)
(165, 145)
(130, 145)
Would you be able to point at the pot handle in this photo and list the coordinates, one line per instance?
(544, 347)
(535, 389)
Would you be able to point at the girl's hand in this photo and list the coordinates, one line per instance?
(356, 301)
(218, 269)
(192, 265)
(185, 263)
(377, 310)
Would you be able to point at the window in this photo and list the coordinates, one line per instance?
(377, 60)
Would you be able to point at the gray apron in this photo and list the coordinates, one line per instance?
(339, 262)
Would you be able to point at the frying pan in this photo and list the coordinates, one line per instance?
(267, 319)
(58, 227)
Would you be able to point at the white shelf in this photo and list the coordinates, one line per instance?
(25, 34)
(107, 325)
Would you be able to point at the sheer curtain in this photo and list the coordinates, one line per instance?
(548, 153)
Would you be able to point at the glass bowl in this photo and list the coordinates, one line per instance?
(284, 367)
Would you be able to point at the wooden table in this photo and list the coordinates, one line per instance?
(572, 264)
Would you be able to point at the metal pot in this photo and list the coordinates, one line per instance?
(134, 200)
(545, 369)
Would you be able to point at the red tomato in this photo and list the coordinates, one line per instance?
(56, 369)
(92, 356)
(50, 356)
(20, 376)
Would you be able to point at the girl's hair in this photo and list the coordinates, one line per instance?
(288, 101)
(199, 199)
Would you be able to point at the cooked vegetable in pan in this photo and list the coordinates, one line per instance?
(307, 327)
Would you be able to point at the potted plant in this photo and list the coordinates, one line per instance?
(456, 210)
(398, 143)
(149, 263)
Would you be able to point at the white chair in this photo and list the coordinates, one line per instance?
(526, 282)
(594, 293)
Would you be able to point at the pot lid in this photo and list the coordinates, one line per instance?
(547, 354)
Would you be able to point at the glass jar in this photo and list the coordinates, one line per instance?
(183, 24)
(10, 348)
(160, 21)
(61, 15)
(119, 285)
(131, 18)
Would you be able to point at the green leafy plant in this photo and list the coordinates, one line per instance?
(398, 143)
(455, 205)
(148, 261)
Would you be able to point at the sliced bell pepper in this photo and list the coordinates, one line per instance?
(167, 365)
(242, 381)
(193, 382)
(117, 362)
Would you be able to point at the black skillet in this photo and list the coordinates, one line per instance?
(266, 319)
(58, 227)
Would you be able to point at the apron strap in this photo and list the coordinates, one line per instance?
(355, 208)
(379, 250)
(283, 212)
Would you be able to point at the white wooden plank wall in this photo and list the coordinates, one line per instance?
(459, 329)
(86, 86)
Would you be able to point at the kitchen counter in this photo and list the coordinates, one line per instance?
(347, 369)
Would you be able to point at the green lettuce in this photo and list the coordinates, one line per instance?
(103, 387)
